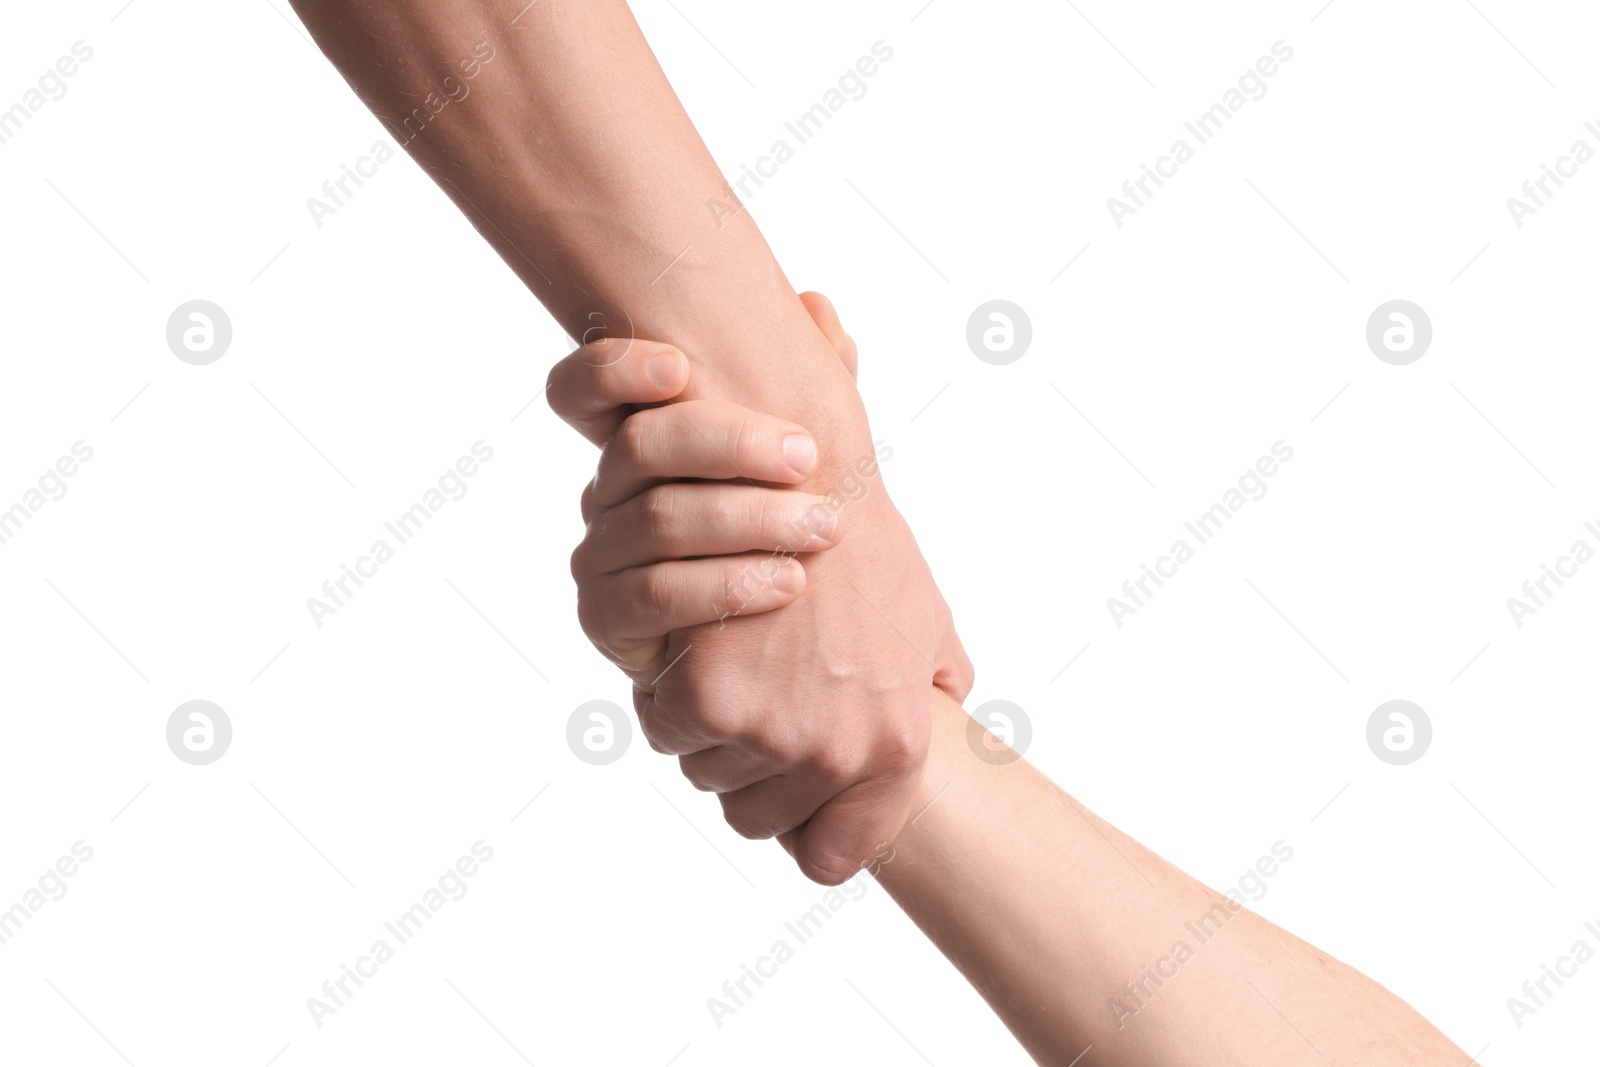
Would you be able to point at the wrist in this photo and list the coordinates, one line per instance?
(777, 362)
(950, 766)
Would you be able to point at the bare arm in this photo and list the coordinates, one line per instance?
(554, 129)
(561, 139)
(1076, 935)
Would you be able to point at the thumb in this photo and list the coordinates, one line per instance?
(852, 829)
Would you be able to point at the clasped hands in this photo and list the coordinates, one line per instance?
(704, 519)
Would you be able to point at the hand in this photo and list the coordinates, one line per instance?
(811, 725)
(661, 553)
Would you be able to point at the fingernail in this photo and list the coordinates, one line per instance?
(787, 579)
(800, 452)
(663, 370)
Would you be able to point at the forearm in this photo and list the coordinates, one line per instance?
(560, 138)
(1070, 930)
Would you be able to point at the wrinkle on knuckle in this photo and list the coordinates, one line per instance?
(835, 762)
(775, 744)
(661, 516)
(656, 591)
(744, 440)
(634, 439)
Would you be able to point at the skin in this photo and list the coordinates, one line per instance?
(555, 131)
(637, 518)
(1066, 926)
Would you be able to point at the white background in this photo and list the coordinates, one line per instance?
(370, 753)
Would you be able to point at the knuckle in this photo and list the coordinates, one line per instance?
(601, 352)
(586, 500)
(633, 438)
(580, 564)
(748, 830)
(561, 376)
(779, 746)
(718, 722)
(747, 820)
(697, 774)
(836, 763)
(656, 733)
(904, 748)
(656, 591)
(660, 516)
(741, 441)
(766, 517)
(725, 510)
(781, 752)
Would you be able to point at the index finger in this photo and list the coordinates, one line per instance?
(600, 384)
